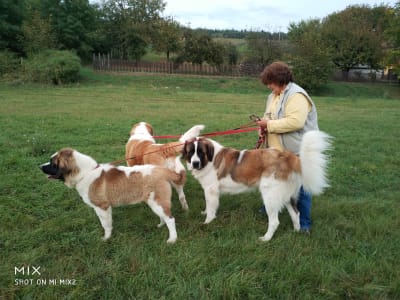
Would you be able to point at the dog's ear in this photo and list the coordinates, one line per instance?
(209, 150)
(186, 149)
(150, 129)
(65, 160)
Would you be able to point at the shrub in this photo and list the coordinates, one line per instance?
(53, 66)
(9, 63)
(310, 74)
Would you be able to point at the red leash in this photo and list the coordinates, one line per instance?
(241, 129)
(226, 132)
(215, 133)
(231, 131)
(115, 162)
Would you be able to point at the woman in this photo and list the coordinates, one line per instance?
(290, 113)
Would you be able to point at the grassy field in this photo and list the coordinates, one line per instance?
(352, 253)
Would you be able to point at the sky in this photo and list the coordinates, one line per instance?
(267, 15)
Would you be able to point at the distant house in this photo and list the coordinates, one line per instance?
(389, 74)
(361, 73)
(364, 72)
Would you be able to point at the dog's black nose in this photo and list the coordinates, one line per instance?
(196, 165)
(48, 168)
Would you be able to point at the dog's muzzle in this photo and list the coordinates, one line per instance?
(196, 165)
(52, 170)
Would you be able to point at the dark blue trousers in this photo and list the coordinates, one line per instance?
(304, 206)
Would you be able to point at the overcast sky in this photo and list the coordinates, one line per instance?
(267, 15)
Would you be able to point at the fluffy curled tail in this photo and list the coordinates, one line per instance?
(175, 148)
(192, 133)
(314, 161)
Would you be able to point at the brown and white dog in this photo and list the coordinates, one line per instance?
(141, 149)
(104, 186)
(278, 175)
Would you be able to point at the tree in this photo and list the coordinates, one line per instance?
(11, 17)
(199, 48)
(262, 48)
(354, 37)
(37, 33)
(167, 37)
(75, 21)
(309, 58)
(393, 35)
(130, 25)
(216, 53)
(72, 22)
(232, 54)
(195, 46)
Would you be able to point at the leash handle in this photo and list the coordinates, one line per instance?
(228, 132)
(260, 141)
(215, 133)
(254, 118)
(262, 137)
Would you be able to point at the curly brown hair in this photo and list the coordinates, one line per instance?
(277, 73)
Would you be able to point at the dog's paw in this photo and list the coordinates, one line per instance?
(184, 205)
(171, 240)
(209, 220)
(105, 238)
(107, 234)
(264, 239)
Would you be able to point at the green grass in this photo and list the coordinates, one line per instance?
(351, 254)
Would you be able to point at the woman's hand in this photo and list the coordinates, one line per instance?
(263, 128)
(262, 123)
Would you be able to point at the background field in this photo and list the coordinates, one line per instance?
(353, 251)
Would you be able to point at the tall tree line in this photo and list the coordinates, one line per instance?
(127, 29)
